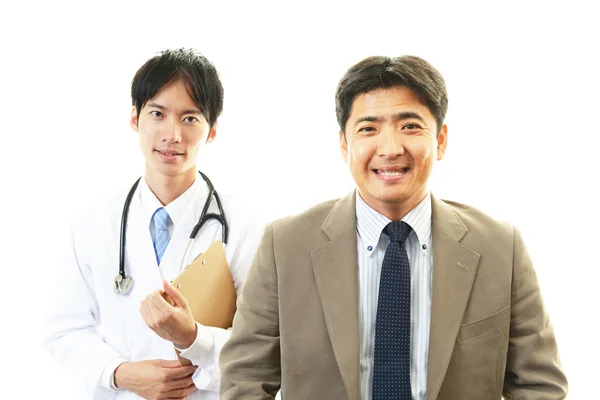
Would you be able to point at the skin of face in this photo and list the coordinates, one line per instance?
(172, 130)
(391, 143)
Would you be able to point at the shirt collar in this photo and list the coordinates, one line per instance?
(175, 209)
(370, 223)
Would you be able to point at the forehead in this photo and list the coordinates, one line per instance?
(381, 102)
(174, 95)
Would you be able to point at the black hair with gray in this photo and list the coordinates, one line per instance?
(379, 72)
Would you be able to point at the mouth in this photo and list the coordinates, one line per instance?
(391, 174)
(169, 153)
(169, 156)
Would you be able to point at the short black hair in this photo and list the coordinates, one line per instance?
(198, 73)
(379, 72)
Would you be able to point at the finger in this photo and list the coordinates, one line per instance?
(174, 294)
(167, 298)
(154, 309)
(180, 383)
(160, 303)
(190, 389)
(158, 318)
(168, 363)
(182, 393)
(181, 372)
(146, 315)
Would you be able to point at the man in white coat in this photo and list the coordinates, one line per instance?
(123, 346)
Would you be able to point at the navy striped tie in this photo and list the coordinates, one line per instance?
(391, 372)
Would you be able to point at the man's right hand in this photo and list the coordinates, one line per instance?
(156, 379)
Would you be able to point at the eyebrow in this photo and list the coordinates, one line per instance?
(396, 117)
(161, 107)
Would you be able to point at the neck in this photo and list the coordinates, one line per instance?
(395, 211)
(167, 188)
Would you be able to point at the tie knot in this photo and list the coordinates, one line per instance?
(161, 218)
(397, 231)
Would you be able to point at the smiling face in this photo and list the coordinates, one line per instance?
(172, 130)
(390, 145)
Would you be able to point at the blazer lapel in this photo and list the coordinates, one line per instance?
(454, 268)
(335, 267)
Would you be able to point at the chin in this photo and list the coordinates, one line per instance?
(392, 196)
(395, 199)
(169, 171)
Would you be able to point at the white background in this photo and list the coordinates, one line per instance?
(523, 128)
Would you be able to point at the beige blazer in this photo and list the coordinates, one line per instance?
(296, 326)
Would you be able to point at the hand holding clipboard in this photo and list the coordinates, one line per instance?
(208, 287)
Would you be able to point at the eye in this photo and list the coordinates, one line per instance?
(411, 127)
(190, 119)
(156, 114)
(367, 129)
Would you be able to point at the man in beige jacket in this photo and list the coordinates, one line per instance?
(391, 292)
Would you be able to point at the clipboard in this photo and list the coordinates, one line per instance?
(208, 288)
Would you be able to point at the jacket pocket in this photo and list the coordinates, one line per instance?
(484, 326)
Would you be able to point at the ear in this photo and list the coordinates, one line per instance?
(212, 134)
(442, 142)
(133, 120)
(344, 147)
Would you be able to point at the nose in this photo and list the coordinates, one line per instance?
(391, 143)
(171, 132)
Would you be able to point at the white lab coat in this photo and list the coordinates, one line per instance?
(90, 325)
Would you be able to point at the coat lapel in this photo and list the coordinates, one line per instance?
(335, 267)
(140, 256)
(454, 268)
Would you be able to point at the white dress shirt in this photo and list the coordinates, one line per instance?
(91, 330)
(175, 209)
(371, 250)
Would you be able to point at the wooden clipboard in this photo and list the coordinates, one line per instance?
(208, 288)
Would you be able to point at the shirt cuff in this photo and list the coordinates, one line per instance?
(108, 375)
(202, 352)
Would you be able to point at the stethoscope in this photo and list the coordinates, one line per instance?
(123, 283)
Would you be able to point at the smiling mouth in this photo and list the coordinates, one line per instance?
(391, 172)
(169, 153)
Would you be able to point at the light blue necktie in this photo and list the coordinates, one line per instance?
(161, 234)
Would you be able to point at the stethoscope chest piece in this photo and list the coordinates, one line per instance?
(122, 286)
